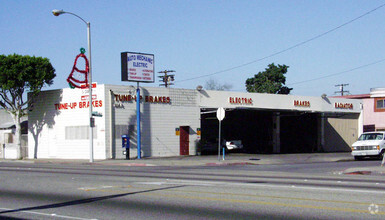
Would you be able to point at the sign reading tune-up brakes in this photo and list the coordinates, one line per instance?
(138, 67)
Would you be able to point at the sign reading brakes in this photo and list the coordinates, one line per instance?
(137, 67)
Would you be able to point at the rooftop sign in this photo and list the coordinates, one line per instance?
(137, 67)
(301, 103)
(240, 100)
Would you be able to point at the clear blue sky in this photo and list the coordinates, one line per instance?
(197, 38)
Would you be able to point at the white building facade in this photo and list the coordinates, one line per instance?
(174, 121)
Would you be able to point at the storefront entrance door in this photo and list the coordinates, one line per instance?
(184, 140)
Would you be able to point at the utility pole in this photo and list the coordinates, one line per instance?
(342, 91)
(166, 78)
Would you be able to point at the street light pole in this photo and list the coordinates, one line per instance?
(57, 13)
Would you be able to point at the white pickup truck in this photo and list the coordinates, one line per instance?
(369, 144)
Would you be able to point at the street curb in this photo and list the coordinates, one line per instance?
(375, 170)
(183, 161)
(359, 173)
(230, 164)
(131, 164)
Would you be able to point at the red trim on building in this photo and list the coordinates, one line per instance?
(362, 96)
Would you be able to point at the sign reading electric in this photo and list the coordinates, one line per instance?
(240, 101)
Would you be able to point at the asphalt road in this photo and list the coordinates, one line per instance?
(57, 191)
(312, 168)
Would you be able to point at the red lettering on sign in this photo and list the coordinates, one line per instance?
(301, 103)
(241, 101)
(74, 105)
(149, 99)
(343, 105)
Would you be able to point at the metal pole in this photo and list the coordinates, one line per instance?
(138, 121)
(3, 146)
(321, 148)
(57, 13)
(90, 94)
(219, 142)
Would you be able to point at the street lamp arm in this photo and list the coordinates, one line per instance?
(59, 12)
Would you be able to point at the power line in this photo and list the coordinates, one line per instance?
(339, 73)
(287, 49)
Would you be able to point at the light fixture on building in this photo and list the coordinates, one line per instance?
(199, 88)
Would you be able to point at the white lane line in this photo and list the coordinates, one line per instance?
(184, 182)
(321, 188)
(218, 183)
(47, 214)
(87, 188)
(152, 183)
(102, 187)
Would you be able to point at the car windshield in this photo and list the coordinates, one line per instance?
(371, 136)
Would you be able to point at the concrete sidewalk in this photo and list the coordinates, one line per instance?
(239, 159)
(204, 160)
(230, 159)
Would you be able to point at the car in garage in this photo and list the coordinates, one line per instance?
(211, 147)
(234, 145)
(369, 144)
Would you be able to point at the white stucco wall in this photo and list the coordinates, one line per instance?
(52, 122)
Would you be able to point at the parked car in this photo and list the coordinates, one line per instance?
(234, 145)
(369, 144)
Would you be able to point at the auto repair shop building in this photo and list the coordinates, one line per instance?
(175, 121)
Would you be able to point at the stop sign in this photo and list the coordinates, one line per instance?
(221, 114)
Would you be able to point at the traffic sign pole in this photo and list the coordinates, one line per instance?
(139, 147)
(219, 142)
(220, 116)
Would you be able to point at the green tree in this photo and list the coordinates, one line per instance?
(20, 75)
(272, 80)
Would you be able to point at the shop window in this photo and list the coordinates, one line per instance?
(369, 128)
(8, 138)
(379, 105)
(79, 132)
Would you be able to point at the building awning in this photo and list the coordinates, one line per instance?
(11, 124)
(7, 125)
